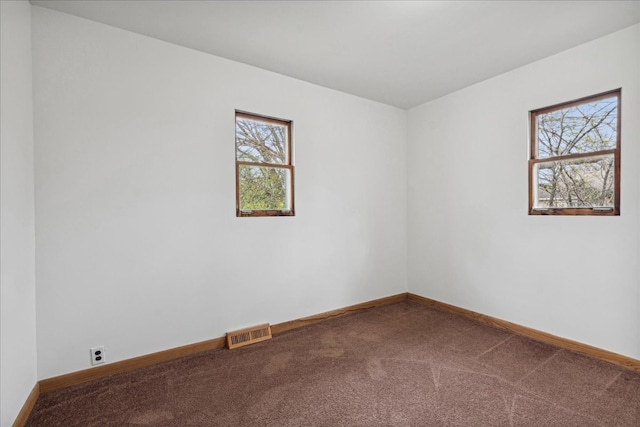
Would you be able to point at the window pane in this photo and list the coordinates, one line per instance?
(577, 183)
(260, 142)
(582, 128)
(264, 188)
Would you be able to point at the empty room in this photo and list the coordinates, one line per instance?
(336, 213)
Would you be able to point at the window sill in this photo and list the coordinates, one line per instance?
(257, 213)
(575, 211)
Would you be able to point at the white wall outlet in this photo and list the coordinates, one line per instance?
(97, 355)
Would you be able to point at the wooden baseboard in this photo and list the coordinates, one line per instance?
(98, 372)
(106, 370)
(24, 413)
(102, 371)
(598, 353)
(293, 324)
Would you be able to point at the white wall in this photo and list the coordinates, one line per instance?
(471, 242)
(138, 246)
(18, 365)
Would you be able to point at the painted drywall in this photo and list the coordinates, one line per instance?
(138, 246)
(18, 366)
(471, 242)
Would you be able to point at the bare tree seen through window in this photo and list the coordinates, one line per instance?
(575, 155)
(263, 165)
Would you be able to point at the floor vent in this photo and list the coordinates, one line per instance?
(248, 336)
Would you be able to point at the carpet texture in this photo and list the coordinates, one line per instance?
(402, 364)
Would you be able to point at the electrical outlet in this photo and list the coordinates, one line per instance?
(97, 355)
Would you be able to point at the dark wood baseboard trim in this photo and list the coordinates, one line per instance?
(598, 353)
(102, 371)
(24, 413)
(293, 324)
(106, 370)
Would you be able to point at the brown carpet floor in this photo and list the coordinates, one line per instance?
(402, 364)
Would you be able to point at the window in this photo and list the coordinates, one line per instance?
(575, 157)
(264, 169)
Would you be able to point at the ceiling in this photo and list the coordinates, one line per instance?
(401, 53)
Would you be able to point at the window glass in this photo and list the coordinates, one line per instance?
(264, 171)
(574, 168)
